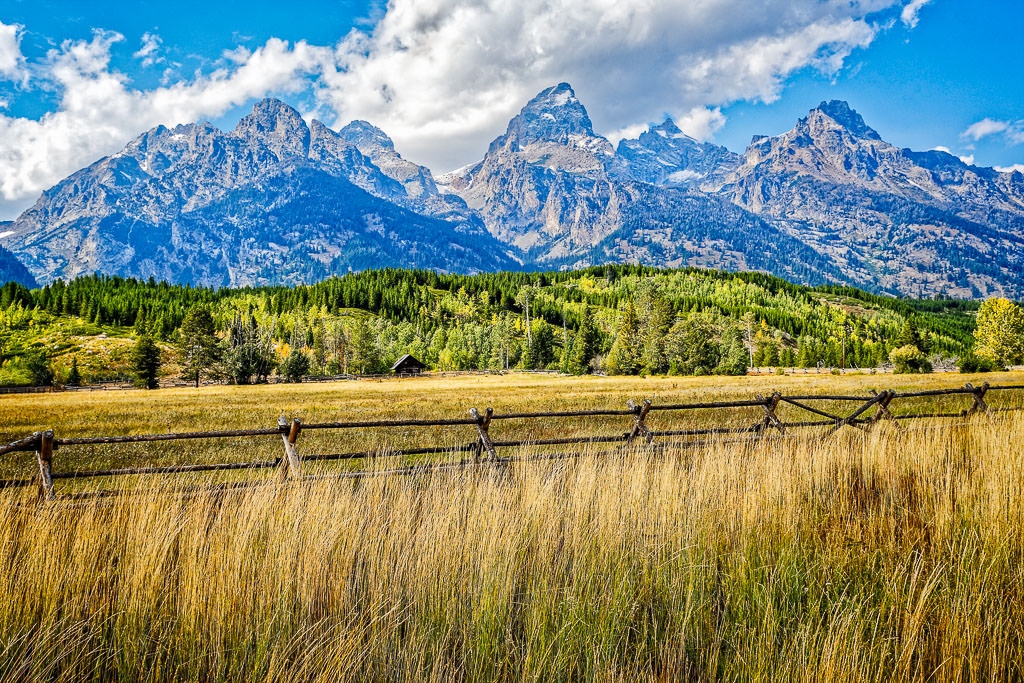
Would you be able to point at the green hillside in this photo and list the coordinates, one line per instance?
(628, 319)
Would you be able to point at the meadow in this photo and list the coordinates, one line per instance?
(894, 553)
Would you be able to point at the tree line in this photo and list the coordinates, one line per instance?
(616, 319)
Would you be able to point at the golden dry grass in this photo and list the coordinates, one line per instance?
(887, 555)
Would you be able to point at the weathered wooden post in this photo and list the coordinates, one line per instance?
(44, 455)
(979, 405)
(882, 407)
(291, 466)
(483, 423)
(769, 405)
(639, 426)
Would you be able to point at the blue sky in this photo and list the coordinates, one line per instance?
(442, 77)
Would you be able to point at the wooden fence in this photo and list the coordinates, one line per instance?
(483, 448)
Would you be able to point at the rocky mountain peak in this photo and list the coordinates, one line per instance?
(367, 138)
(380, 149)
(841, 113)
(278, 126)
(665, 155)
(668, 128)
(554, 115)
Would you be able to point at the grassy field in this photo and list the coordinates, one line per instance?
(894, 554)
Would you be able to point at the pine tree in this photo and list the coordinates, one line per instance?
(584, 345)
(295, 366)
(74, 376)
(909, 335)
(540, 347)
(624, 357)
(146, 362)
(198, 345)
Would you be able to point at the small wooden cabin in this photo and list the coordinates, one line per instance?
(407, 365)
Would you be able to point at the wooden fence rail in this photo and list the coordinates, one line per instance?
(484, 448)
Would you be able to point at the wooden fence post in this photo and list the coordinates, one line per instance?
(291, 466)
(882, 407)
(769, 405)
(44, 455)
(483, 423)
(978, 393)
(639, 427)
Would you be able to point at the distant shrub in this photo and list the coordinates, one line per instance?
(909, 359)
(971, 362)
(295, 366)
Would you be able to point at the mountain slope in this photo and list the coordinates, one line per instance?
(11, 269)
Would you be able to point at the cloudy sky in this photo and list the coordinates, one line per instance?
(442, 77)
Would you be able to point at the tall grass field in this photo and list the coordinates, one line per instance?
(894, 553)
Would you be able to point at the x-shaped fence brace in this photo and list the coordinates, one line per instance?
(485, 449)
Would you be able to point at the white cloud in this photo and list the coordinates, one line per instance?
(627, 133)
(910, 12)
(701, 122)
(11, 60)
(443, 77)
(984, 128)
(1019, 168)
(1013, 131)
(151, 44)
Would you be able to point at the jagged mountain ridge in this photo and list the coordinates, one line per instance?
(871, 214)
(276, 200)
(546, 183)
(273, 200)
(563, 195)
(918, 223)
(665, 155)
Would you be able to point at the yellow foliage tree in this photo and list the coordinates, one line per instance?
(1000, 333)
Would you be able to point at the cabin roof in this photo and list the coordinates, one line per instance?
(406, 361)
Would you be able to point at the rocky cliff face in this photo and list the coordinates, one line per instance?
(271, 201)
(418, 191)
(564, 196)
